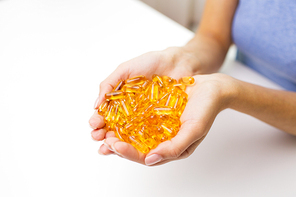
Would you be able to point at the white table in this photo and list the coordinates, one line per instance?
(54, 54)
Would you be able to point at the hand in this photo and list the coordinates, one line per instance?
(175, 62)
(210, 95)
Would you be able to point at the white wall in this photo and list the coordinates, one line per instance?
(185, 12)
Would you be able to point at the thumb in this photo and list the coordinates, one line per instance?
(110, 83)
(189, 133)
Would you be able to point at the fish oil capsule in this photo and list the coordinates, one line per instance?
(158, 80)
(126, 108)
(146, 84)
(115, 95)
(163, 111)
(138, 144)
(115, 114)
(118, 132)
(132, 89)
(187, 81)
(170, 102)
(168, 81)
(119, 85)
(136, 80)
(103, 107)
(181, 86)
(109, 112)
(131, 99)
(154, 92)
(168, 131)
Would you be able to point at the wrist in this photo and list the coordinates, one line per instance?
(183, 57)
(231, 93)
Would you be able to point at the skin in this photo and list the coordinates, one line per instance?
(201, 57)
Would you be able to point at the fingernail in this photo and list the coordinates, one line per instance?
(153, 159)
(115, 151)
(108, 146)
(96, 103)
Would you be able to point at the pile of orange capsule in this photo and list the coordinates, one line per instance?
(145, 113)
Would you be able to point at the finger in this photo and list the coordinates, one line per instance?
(184, 155)
(96, 121)
(125, 150)
(103, 150)
(98, 134)
(110, 134)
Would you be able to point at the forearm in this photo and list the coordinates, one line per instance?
(209, 53)
(275, 107)
(213, 37)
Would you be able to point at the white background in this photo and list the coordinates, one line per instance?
(54, 54)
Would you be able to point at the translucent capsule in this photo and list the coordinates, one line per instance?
(181, 86)
(108, 114)
(132, 89)
(126, 108)
(115, 113)
(136, 80)
(168, 81)
(169, 132)
(119, 132)
(131, 99)
(187, 81)
(115, 95)
(171, 99)
(154, 92)
(103, 108)
(119, 85)
(163, 111)
(138, 144)
(158, 80)
(146, 84)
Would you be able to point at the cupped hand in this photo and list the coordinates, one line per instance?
(210, 95)
(175, 62)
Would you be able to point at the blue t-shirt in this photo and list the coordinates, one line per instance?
(264, 32)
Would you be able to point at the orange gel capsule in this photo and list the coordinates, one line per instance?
(126, 109)
(132, 89)
(119, 85)
(181, 86)
(115, 95)
(158, 80)
(146, 84)
(168, 131)
(116, 114)
(187, 81)
(138, 144)
(109, 112)
(154, 93)
(163, 111)
(118, 132)
(171, 100)
(136, 80)
(103, 108)
(168, 81)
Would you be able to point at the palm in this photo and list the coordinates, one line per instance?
(152, 63)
